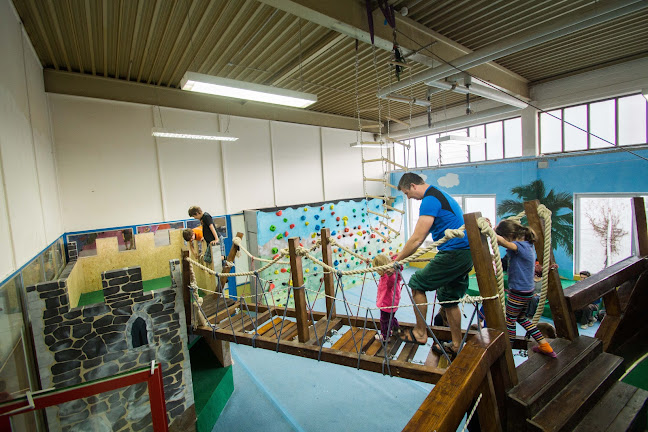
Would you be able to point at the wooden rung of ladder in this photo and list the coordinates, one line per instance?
(384, 198)
(372, 160)
(386, 238)
(385, 182)
(379, 214)
(395, 164)
(388, 207)
(397, 121)
(389, 228)
(397, 142)
(371, 127)
(397, 63)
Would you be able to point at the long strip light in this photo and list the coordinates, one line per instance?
(458, 139)
(165, 133)
(201, 83)
(371, 144)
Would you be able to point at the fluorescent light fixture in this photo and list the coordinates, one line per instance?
(371, 144)
(165, 133)
(202, 83)
(458, 139)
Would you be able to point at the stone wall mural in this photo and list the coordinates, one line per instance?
(128, 331)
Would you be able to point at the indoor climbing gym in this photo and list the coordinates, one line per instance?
(323, 216)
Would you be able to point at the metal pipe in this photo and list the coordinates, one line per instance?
(598, 13)
(407, 100)
(479, 90)
(451, 123)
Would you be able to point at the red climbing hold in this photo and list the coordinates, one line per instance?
(346, 229)
(337, 218)
(292, 226)
(283, 270)
(279, 213)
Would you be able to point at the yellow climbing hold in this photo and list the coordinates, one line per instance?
(276, 271)
(306, 223)
(345, 218)
(313, 235)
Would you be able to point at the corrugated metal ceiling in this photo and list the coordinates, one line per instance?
(156, 41)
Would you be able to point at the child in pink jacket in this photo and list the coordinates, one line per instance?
(388, 298)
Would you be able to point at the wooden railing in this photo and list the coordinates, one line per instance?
(479, 369)
(485, 364)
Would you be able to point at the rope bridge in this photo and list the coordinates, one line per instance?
(234, 318)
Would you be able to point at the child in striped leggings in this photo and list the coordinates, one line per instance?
(518, 240)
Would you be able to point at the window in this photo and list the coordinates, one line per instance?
(503, 140)
(596, 125)
(468, 203)
(604, 231)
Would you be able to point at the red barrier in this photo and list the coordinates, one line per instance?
(47, 398)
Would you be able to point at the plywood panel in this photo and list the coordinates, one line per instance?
(107, 165)
(248, 165)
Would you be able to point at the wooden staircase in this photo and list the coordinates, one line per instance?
(579, 390)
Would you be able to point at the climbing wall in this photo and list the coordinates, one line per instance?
(351, 225)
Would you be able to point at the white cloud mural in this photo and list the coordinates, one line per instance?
(449, 180)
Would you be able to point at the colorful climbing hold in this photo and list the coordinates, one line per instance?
(275, 250)
(279, 236)
(286, 233)
(279, 213)
(305, 208)
(332, 206)
(306, 223)
(292, 226)
(316, 217)
(337, 218)
(283, 270)
(313, 235)
(272, 227)
(317, 227)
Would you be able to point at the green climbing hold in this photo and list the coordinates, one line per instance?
(285, 220)
(272, 227)
(279, 236)
(275, 250)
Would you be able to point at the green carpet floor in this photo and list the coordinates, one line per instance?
(212, 385)
(638, 376)
(148, 285)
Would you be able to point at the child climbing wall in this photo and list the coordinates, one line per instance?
(351, 226)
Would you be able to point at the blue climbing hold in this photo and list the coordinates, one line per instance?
(316, 217)
(303, 218)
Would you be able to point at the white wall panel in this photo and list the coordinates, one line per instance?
(44, 150)
(297, 163)
(16, 145)
(190, 170)
(247, 164)
(107, 166)
(342, 165)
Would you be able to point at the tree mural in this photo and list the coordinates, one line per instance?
(561, 205)
(606, 223)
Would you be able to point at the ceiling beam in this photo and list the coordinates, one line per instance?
(75, 84)
(350, 18)
(311, 54)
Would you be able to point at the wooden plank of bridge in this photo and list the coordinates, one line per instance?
(269, 326)
(363, 339)
(230, 257)
(370, 363)
(298, 289)
(346, 337)
(561, 311)
(408, 352)
(258, 321)
(329, 285)
(373, 348)
(321, 327)
(223, 314)
(392, 347)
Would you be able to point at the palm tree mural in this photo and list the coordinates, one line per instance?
(561, 205)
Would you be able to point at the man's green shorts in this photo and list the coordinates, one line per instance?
(447, 273)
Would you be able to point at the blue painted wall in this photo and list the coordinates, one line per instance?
(612, 172)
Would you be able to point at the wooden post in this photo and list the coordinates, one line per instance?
(488, 408)
(483, 264)
(298, 289)
(639, 211)
(563, 316)
(186, 280)
(329, 285)
(230, 257)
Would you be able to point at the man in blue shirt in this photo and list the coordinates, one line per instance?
(447, 272)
